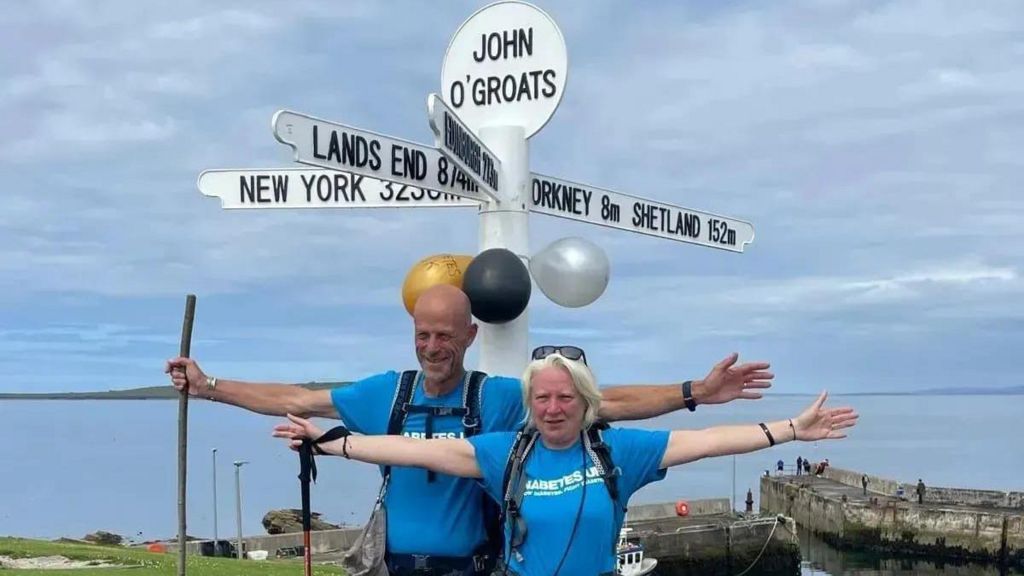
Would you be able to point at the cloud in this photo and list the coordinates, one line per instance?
(839, 292)
(873, 146)
(201, 28)
(80, 339)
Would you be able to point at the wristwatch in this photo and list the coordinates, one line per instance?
(211, 382)
(688, 401)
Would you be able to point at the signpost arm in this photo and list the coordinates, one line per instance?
(461, 146)
(504, 347)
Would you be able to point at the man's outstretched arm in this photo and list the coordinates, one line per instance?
(727, 381)
(270, 399)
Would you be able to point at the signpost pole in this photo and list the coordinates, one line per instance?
(504, 347)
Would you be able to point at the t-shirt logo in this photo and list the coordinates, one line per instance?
(434, 435)
(562, 485)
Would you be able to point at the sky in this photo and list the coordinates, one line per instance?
(874, 146)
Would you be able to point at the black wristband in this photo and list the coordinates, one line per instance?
(688, 396)
(771, 439)
(332, 434)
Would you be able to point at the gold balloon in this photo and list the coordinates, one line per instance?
(431, 271)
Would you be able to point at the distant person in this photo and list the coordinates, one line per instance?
(807, 466)
(780, 466)
(438, 404)
(920, 491)
(900, 493)
(799, 465)
(864, 483)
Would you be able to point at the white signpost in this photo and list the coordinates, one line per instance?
(564, 199)
(503, 77)
(339, 147)
(316, 188)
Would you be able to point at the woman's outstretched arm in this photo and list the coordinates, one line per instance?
(454, 456)
(816, 422)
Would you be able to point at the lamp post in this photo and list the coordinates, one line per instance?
(214, 501)
(238, 503)
(733, 482)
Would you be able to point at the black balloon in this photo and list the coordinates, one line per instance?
(498, 285)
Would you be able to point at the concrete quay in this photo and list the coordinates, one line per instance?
(710, 540)
(952, 524)
(720, 543)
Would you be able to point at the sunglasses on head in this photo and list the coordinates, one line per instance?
(568, 352)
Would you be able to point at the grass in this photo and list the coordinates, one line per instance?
(138, 562)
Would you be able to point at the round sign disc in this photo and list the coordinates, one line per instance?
(505, 66)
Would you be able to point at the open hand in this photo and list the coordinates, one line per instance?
(296, 431)
(817, 422)
(727, 382)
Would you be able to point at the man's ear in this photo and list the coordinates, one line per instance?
(471, 334)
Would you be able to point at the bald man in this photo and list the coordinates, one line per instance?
(436, 522)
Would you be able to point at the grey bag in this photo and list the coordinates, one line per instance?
(366, 556)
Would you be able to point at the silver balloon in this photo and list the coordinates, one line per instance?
(571, 272)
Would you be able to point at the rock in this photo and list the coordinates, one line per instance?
(66, 540)
(104, 538)
(51, 563)
(290, 520)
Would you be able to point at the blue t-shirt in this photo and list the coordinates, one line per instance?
(555, 489)
(443, 517)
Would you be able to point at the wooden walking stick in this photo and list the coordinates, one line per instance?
(186, 346)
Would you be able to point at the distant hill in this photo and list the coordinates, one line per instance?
(976, 391)
(1004, 391)
(168, 393)
(148, 393)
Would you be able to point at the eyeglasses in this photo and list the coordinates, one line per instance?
(569, 352)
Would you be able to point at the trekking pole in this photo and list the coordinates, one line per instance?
(307, 472)
(186, 346)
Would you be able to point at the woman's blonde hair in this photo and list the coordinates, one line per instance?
(582, 380)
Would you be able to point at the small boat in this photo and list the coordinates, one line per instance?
(630, 559)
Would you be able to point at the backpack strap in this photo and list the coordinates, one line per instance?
(400, 405)
(601, 454)
(472, 424)
(399, 411)
(472, 394)
(513, 487)
(469, 412)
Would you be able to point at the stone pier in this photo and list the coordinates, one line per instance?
(956, 524)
